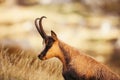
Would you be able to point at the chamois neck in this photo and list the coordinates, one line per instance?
(67, 52)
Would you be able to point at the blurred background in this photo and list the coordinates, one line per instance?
(89, 25)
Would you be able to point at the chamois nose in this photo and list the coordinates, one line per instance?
(40, 57)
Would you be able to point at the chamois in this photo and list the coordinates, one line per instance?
(76, 64)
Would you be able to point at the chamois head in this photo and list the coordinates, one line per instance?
(49, 41)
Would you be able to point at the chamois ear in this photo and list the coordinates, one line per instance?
(53, 34)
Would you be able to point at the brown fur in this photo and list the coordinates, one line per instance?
(77, 65)
(83, 66)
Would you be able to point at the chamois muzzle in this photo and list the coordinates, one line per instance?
(40, 27)
(41, 57)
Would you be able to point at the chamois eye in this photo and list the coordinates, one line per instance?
(46, 41)
(49, 42)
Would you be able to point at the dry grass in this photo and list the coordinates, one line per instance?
(20, 63)
(24, 65)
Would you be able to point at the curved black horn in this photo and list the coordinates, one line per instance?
(40, 27)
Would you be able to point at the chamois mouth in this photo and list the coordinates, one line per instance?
(41, 57)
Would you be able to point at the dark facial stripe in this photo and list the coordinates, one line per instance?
(48, 44)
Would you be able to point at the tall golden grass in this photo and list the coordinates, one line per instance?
(18, 64)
